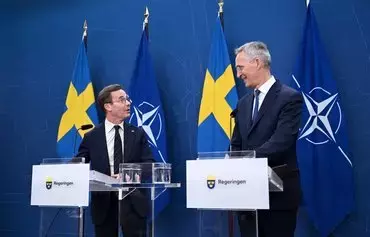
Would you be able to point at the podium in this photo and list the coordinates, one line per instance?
(65, 184)
(229, 181)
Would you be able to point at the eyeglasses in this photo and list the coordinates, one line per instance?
(123, 100)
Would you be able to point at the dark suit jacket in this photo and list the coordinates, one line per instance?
(136, 150)
(273, 135)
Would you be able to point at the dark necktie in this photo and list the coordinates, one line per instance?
(118, 156)
(256, 104)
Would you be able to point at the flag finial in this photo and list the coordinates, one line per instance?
(221, 7)
(146, 15)
(85, 28)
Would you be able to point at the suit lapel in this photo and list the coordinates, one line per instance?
(266, 104)
(128, 141)
(249, 107)
(103, 144)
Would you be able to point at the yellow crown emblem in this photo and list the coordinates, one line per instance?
(211, 177)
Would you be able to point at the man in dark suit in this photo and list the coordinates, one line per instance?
(105, 147)
(267, 121)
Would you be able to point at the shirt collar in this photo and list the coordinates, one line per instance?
(265, 87)
(109, 126)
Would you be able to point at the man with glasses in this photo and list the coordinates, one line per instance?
(268, 121)
(105, 147)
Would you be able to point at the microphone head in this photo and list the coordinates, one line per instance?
(233, 113)
(86, 126)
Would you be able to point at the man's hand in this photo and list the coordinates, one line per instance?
(116, 176)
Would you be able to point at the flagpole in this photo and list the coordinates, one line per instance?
(230, 213)
(81, 211)
(152, 190)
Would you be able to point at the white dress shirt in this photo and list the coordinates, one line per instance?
(264, 88)
(109, 136)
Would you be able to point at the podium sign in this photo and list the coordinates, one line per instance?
(237, 184)
(60, 185)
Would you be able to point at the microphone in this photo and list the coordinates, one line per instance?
(234, 113)
(86, 126)
(83, 128)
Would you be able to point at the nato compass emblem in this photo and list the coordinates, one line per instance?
(324, 117)
(148, 117)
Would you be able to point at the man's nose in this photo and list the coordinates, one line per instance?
(238, 74)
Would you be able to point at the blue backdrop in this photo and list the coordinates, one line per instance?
(39, 40)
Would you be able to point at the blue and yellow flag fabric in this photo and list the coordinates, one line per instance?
(219, 97)
(79, 109)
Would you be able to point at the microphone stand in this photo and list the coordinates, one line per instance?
(230, 213)
(74, 141)
(81, 212)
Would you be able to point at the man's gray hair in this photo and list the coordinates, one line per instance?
(256, 49)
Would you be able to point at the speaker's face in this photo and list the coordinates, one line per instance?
(120, 106)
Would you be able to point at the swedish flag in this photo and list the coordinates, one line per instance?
(80, 107)
(218, 99)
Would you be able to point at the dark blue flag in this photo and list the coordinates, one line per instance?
(323, 153)
(147, 111)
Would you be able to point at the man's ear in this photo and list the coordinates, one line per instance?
(259, 63)
(107, 107)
